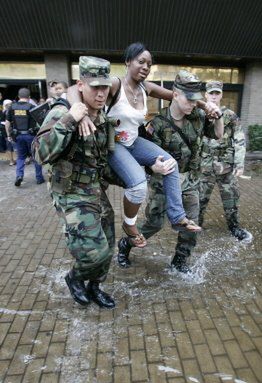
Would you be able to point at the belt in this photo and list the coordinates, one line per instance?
(92, 176)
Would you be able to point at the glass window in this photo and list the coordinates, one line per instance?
(230, 100)
(153, 107)
(22, 70)
(168, 73)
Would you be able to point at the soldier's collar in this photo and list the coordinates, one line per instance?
(101, 118)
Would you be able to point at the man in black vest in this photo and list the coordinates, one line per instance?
(22, 126)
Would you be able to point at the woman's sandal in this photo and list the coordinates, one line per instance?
(187, 225)
(137, 240)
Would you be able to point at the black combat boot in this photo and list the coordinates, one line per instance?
(101, 298)
(77, 289)
(241, 234)
(179, 263)
(18, 181)
(124, 248)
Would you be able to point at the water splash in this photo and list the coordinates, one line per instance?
(28, 358)
(226, 377)
(17, 312)
(193, 379)
(169, 369)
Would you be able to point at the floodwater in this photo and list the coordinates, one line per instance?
(167, 327)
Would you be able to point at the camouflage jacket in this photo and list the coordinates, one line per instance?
(229, 151)
(73, 160)
(184, 148)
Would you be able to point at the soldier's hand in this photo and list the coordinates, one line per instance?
(78, 110)
(164, 167)
(212, 110)
(238, 172)
(9, 139)
(86, 127)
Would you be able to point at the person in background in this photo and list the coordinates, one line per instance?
(61, 89)
(222, 162)
(51, 91)
(21, 127)
(10, 146)
(41, 101)
(1, 104)
(2, 128)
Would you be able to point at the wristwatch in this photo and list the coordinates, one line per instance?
(221, 115)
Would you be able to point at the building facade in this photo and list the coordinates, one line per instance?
(218, 39)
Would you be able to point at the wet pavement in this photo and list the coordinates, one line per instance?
(206, 328)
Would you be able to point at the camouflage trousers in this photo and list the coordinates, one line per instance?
(156, 215)
(229, 191)
(88, 219)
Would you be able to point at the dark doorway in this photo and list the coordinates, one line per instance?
(9, 88)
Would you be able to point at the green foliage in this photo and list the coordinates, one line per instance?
(255, 137)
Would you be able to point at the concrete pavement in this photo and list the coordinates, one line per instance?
(206, 328)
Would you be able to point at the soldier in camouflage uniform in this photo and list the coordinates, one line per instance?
(222, 162)
(178, 130)
(77, 165)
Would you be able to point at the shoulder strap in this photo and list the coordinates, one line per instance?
(176, 129)
(114, 98)
(144, 88)
(61, 101)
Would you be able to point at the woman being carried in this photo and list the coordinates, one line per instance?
(131, 151)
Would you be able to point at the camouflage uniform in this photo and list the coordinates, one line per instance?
(184, 144)
(186, 150)
(76, 170)
(219, 160)
(76, 192)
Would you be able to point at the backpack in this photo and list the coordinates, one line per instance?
(40, 112)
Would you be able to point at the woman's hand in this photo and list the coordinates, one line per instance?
(86, 127)
(164, 167)
(78, 110)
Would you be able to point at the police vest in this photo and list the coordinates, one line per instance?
(21, 117)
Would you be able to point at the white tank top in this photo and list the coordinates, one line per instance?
(130, 118)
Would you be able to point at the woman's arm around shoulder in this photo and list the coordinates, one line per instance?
(158, 91)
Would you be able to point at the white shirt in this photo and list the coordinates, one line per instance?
(130, 118)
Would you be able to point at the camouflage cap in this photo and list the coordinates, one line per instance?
(189, 83)
(95, 70)
(214, 86)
